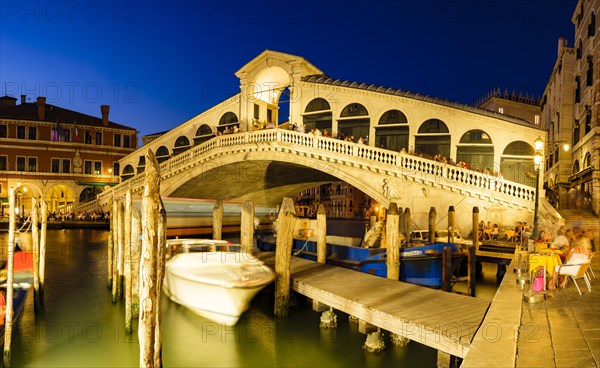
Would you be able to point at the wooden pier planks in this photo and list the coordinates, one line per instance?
(444, 321)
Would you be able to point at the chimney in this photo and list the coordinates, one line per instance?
(23, 99)
(41, 104)
(104, 109)
(562, 42)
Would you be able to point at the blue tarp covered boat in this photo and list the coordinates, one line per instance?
(421, 265)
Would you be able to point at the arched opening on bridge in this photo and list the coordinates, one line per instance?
(392, 131)
(89, 194)
(317, 114)
(60, 199)
(517, 163)
(267, 93)
(354, 122)
(283, 107)
(228, 123)
(141, 164)
(432, 138)
(182, 144)
(476, 149)
(162, 154)
(127, 173)
(203, 133)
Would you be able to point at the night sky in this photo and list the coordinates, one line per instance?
(159, 63)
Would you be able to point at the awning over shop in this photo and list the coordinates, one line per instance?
(581, 176)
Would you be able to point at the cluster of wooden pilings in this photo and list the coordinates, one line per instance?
(136, 261)
(397, 226)
(39, 261)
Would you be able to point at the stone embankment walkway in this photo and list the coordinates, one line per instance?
(563, 330)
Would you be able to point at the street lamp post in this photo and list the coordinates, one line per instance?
(537, 161)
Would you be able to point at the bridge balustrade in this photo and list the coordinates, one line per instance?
(409, 164)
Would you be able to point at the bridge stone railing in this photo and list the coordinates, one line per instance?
(411, 165)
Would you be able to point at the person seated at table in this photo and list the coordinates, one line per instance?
(518, 231)
(578, 254)
(541, 238)
(495, 232)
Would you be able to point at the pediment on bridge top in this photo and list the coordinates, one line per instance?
(269, 59)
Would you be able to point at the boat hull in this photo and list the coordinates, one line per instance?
(216, 285)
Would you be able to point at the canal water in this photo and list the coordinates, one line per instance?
(80, 326)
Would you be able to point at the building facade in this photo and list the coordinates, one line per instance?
(571, 114)
(61, 155)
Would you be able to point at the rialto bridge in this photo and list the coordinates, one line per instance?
(265, 160)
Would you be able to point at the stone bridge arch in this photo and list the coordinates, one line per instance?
(267, 178)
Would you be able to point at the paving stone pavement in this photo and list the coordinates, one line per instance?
(564, 329)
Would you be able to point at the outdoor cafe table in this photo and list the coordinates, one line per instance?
(547, 259)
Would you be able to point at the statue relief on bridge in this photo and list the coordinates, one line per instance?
(389, 189)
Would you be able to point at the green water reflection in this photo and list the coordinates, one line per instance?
(79, 325)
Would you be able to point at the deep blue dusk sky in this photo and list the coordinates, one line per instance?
(159, 63)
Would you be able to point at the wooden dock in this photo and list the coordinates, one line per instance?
(441, 320)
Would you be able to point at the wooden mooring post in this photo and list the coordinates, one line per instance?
(472, 252)
(432, 220)
(286, 222)
(128, 261)
(407, 221)
(114, 233)
(218, 220)
(136, 248)
(451, 224)
(321, 234)
(247, 227)
(43, 232)
(8, 315)
(151, 267)
(35, 237)
(109, 243)
(393, 243)
(447, 269)
(121, 248)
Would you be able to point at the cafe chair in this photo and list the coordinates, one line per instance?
(575, 271)
(590, 270)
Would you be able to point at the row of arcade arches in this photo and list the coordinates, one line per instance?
(392, 132)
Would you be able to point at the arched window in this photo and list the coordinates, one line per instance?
(162, 154)
(393, 117)
(227, 123)
(587, 161)
(433, 138)
(128, 172)
(318, 104)
(141, 164)
(203, 134)
(476, 149)
(433, 126)
(354, 121)
(182, 144)
(476, 136)
(317, 115)
(392, 131)
(576, 167)
(517, 163)
(354, 109)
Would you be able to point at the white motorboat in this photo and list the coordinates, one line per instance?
(218, 285)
